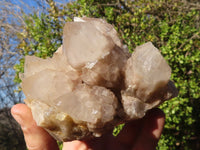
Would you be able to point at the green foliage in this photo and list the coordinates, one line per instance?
(117, 129)
(182, 51)
(173, 26)
(60, 145)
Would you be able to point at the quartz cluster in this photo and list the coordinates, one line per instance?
(92, 82)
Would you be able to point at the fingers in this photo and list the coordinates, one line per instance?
(153, 124)
(75, 145)
(36, 138)
(130, 132)
(142, 134)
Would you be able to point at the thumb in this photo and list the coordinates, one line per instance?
(151, 130)
(36, 137)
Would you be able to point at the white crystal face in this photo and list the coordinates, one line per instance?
(92, 83)
(77, 37)
(47, 85)
(105, 28)
(146, 71)
(107, 71)
(89, 104)
(48, 79)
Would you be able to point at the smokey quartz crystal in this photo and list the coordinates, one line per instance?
(92, 83)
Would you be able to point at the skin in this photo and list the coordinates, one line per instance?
(142, 134)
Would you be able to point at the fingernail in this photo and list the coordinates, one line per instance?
(82, 147)
(157, 132)
(18, 119)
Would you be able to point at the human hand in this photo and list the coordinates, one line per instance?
(142, 134)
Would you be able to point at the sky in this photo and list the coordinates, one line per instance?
(26, 5)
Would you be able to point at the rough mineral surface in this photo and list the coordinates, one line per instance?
(93, 83)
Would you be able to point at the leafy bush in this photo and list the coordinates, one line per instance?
(172, 25)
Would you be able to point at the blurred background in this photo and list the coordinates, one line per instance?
(35, 27)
